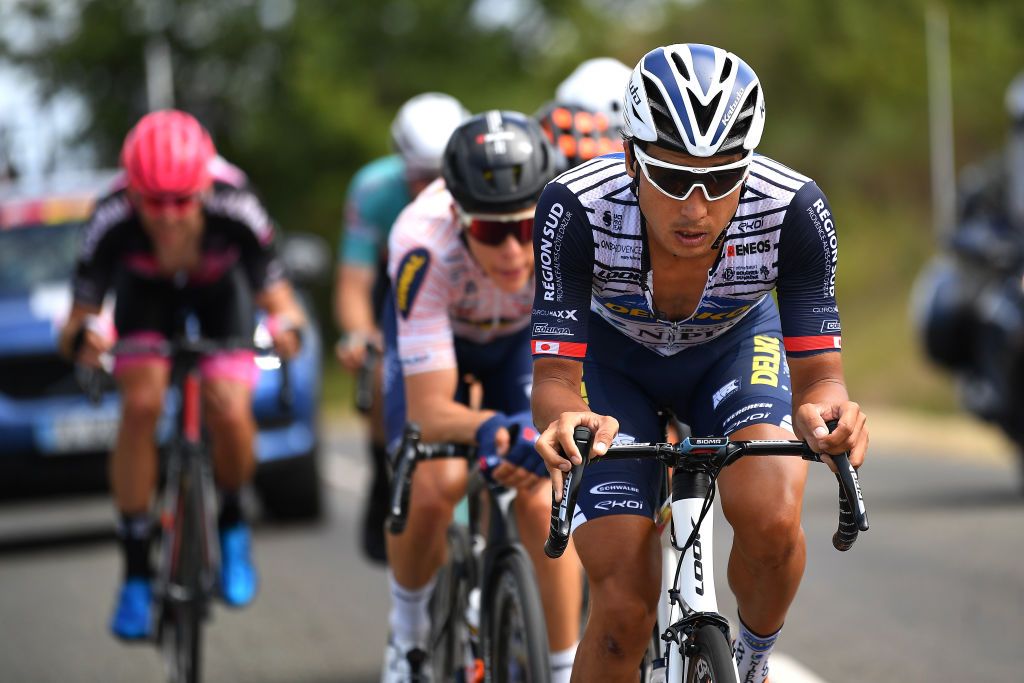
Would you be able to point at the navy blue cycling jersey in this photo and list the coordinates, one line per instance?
(592, 256)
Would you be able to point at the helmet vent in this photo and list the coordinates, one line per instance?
(704, 114)
(725, 71)
(680, 65)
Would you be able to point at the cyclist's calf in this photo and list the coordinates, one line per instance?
(418, 552)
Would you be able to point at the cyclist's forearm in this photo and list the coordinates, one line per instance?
(818, 379)
(553, 396)
(447, 421)
(279, 300)
(353, 308)
(76, 318)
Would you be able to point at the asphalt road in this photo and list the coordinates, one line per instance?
(934, 591)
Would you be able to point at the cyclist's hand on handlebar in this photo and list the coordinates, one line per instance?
(286, 334)
(89, 342)
(507, 456)
(851, 433)
(556, 446)
(351, 349)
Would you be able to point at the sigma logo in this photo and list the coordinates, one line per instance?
(619, 505)
(615, 488)
(547, 240)
(830, 326)
(709, 442)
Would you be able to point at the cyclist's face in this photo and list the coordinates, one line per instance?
(172, 224)
(508, 264)
(686, 228)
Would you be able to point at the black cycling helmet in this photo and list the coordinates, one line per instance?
(498, 162)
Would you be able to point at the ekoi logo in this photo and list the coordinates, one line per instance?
(411, 272)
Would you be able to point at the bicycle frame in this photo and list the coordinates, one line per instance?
(692, 597)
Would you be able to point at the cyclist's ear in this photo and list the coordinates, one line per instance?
(627, 150)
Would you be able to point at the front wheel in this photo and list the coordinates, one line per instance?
(516, 648)
(709, 657)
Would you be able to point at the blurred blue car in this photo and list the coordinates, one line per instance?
(52, 438)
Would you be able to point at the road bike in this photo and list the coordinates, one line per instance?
(189, 559)
(691, 641)
(487, 619)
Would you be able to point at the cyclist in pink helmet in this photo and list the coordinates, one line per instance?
(180, 231)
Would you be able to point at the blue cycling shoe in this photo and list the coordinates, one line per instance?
(238, 578)
(133, 611)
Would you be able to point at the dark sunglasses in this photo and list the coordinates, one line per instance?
(494, 230)
(678, 181)
(159, 204)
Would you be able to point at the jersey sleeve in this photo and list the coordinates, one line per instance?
(420, 287)
(808, 256)
(563, 246)
(256, 235)
(98, 248)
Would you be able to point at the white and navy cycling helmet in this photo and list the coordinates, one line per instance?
(596, 85)
(421, 130)
(696, 99)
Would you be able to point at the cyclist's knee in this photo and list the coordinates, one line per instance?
(141, 405)
(437, 487)
(621, 618)
(228, 406)
(771, 539)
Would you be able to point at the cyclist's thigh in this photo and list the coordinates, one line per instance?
(747, 381)
(226, 312)
(226, 400)
(504, 367)
(143, 312)
(619, 487)
(142, 385)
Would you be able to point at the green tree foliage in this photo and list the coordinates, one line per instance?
(300, 93)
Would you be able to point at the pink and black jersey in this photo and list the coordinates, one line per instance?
(238, 231)
(591, 253)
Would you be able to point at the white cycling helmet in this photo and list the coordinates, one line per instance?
(696, 99)
(422, 127)
(596, 85)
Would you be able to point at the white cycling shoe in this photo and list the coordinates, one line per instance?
(405, 665)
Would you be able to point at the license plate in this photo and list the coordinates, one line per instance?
(80, 432)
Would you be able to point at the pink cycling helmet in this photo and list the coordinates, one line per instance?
(167, 153)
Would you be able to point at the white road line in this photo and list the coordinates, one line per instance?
(785, 669)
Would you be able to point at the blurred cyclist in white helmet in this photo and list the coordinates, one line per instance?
(597, 84)
(376, 195)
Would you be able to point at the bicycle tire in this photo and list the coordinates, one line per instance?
(449, 632)
(516, 641)
(709, 657)
(181, 630)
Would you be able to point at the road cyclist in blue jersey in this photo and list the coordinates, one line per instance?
(654, 281)
(376, 195)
